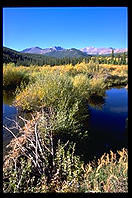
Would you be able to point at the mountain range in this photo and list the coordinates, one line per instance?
(38, 50)
(102, 51)
(63, 57)
(60, 52)
(56, 51)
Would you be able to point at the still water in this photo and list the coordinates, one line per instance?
(9, 114)
(107, 123)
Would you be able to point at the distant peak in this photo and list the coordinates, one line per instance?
(57, 48)
(36, 47)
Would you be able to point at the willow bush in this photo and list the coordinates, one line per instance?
(51, 88)
(14, 76)
(48, 90)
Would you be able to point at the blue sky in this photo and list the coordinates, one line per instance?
(65, 26)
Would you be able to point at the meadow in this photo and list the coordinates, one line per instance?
(56, 97)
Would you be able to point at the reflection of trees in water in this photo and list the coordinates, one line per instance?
(8, 97)
(96, 102)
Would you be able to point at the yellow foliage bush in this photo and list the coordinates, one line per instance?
(47, 89)
(13, 76)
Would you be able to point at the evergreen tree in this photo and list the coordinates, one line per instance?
(112, 54)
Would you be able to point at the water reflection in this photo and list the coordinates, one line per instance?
(107, 124)
(8, 97)
(9, 114)
(96, 102)
(118, 109)
(9, 111)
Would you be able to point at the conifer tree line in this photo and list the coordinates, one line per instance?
(115, 59)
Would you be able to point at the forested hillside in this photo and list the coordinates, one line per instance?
(27, 59)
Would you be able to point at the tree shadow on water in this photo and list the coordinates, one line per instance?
(93, 141)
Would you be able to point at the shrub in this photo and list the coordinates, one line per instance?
(47, 90)
(65, 122)
(82, 83)
(13, 76)
(37, 164)
(110, 174)
(97, 86)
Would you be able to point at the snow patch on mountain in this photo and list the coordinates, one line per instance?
(94, 50)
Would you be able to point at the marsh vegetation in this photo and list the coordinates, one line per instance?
(56, 98)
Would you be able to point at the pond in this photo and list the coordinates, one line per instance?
(106, 125)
